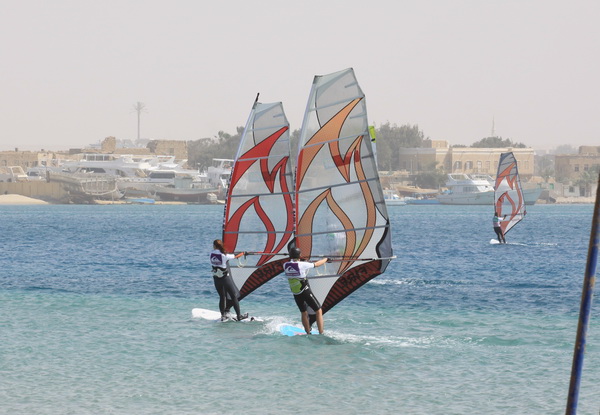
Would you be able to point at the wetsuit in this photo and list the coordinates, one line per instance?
(498, 229)
(295, 271)
(228, 293)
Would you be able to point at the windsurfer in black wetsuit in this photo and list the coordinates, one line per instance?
(228, 293)
(295, 270)
(497, 228)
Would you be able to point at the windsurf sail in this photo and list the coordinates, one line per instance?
(340, 209)
(508, 194)
(259, 214)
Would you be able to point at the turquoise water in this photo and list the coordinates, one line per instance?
(95, 318)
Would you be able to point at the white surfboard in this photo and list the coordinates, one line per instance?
(494, 241)
(216, 316)
(206, 314)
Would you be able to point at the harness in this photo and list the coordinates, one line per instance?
(297, 285)
(219, 272)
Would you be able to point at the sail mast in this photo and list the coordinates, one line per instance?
(585, 308)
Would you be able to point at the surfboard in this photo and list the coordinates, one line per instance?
(216, 316)
(289, 330)
(494, 241)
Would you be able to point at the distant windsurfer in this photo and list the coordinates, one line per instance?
(295, 271)
(497, 228)
(223, 282)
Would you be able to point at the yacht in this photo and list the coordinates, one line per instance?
(477, 189)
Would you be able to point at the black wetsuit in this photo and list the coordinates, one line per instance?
(227, 291)
(498, 229)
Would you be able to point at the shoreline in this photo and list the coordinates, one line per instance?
(16, 199)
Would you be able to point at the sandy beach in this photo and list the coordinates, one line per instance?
(12, 199)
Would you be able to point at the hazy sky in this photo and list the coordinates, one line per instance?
(71, 71)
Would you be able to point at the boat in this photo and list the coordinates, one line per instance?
(87, 187)
(13, 174)
(509, 200)
(340, 209)
(392, 199)
(477, 189)
(428, 198)
(259, 214)
(143, 176)
(125, 165)
(184, 189)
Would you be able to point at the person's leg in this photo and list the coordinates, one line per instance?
(305, 322)
(319, 316)
(222, 296)
(498, 234)
(232, 299)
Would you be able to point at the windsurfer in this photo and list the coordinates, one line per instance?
(228, 295)
(295, 270)
(497, 228)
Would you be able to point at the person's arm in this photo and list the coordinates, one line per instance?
(320, 262)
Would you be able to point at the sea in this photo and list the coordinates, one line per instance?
(96, 318)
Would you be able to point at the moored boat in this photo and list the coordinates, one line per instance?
(464, 189)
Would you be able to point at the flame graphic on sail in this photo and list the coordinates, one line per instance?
(339, 201)
(259, 209)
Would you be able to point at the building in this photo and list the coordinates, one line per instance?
(572, 166)
(438, 154)
(26, 159)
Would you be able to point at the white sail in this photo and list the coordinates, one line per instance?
(259, 206)
(508, 193)
(340, 209)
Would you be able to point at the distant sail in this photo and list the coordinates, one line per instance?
(340, 210)
(508, 194)
(259, 207)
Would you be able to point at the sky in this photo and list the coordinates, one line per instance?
(72, 70)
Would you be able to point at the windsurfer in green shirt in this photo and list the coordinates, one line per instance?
(295, 270)
(497, 228)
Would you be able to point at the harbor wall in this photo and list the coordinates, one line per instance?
(48, 191)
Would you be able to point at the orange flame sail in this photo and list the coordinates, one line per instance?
(340, 210)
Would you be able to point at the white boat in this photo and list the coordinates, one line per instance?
(109, 164)
(392, 199)
(477, 189)
(142, 175)
(12, 174)
(219, 173)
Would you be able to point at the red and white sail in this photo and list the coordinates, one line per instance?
(259, 206)
(508, 193)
